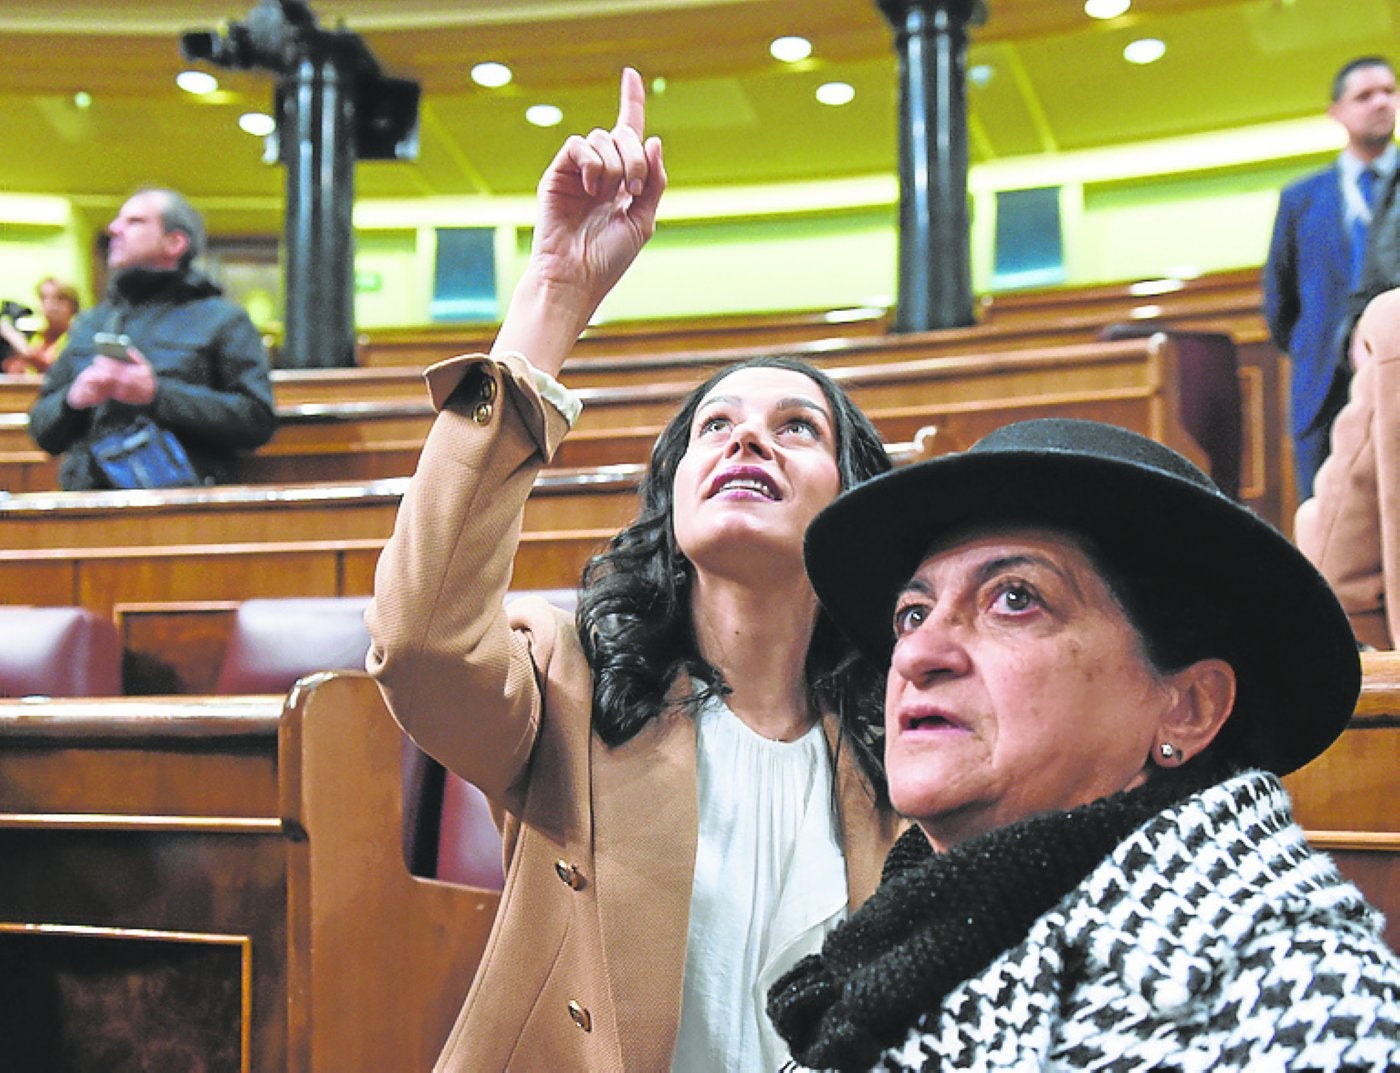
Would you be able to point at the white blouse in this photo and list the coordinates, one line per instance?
(770, 883)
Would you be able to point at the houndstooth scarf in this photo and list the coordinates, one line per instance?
(1205, 936)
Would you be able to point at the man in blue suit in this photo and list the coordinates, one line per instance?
(1315, 256)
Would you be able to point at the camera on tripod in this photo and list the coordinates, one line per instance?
(272, 37)
(278, 35)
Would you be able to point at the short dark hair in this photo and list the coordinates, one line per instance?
(1339, 83)
(177, 214)
(1172, 635)
(634, 601)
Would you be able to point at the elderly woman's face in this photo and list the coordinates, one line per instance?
(1017, 687)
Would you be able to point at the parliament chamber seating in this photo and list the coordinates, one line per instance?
(58, 652)
(448, 833)
(1210, 402)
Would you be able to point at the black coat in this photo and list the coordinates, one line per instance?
(213, 377)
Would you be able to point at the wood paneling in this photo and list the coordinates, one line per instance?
(208, 825)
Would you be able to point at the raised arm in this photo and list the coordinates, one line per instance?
(596, 208)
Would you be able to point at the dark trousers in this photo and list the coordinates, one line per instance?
(1311, 447)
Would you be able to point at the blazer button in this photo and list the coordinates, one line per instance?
(488, 389)
(571, 876)
(482, 413)
(580, 1016)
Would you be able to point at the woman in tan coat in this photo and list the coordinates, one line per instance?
(687, 772)
(1350, 528)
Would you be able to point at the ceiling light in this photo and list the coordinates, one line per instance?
(980, 74)
(658, 84)
(1145, 312)
(1144, 50)
(197, 82)
(258, 124)
(790, 49)
(544, 115)
(1106, 9)
(82, 100)
(491, 75)
(835, 93)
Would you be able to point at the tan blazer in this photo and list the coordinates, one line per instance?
(1350, 528)
(583, 970)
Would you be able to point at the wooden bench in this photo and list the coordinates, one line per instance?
(419, 346)
(1119, 298)
(563, 499)
(1346, 798)
(1131, 383)
(219, 883)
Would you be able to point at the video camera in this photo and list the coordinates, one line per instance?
(13, 312)
(279, 34)
(270, 38)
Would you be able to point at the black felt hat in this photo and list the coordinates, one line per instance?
(1212, 566)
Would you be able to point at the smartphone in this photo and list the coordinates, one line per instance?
(113, 345)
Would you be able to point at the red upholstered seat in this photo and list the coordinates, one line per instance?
(58, 652)
(448, 830)
(276, 641)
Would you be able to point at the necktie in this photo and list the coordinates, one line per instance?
(1366, 184)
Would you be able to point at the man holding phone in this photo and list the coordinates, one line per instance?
(163, 345)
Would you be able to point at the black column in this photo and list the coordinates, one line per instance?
(935, 276)
(316, 127)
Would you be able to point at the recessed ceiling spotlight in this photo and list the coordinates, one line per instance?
(658, 84)
(491, 75)
(1144, 50)
(82, 100)
(980, 74)
(1106, 9)
(197, 82)
(790, 49)
(258, 124)
(544, 115)
(836, 93)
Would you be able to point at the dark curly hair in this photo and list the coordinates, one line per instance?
(634, 601)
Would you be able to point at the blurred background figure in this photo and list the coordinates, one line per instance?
(1317, 252)
(163, 347)
(36, 351)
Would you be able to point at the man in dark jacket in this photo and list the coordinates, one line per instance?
(1315, 255)
(195, 364)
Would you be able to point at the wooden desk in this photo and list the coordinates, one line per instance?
(218, 883)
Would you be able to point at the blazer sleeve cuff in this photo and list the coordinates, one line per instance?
(464, 379)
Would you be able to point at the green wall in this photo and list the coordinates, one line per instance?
(775, 249)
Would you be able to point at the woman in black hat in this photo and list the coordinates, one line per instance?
(1099, 667)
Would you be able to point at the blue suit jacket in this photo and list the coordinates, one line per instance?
(1306, 283)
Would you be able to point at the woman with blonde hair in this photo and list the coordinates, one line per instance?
(59, 303)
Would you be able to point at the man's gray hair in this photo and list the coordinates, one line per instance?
(177, 214)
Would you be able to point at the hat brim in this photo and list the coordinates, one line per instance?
(1290, 642)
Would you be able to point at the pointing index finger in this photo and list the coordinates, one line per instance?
(632, 102)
